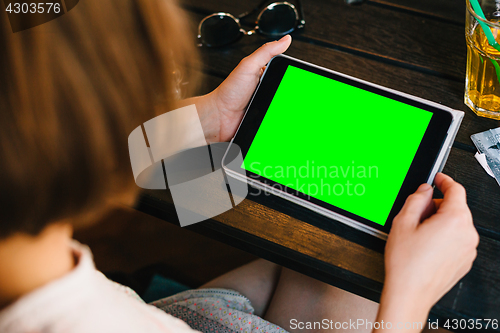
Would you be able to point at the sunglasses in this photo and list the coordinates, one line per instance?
(275, 20)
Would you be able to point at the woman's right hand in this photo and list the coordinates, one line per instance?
(431, 246)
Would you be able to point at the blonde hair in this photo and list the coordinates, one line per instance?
(71, 91)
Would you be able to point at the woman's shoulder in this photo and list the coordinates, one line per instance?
(84, 300)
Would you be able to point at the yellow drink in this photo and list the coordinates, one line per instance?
(482, 82)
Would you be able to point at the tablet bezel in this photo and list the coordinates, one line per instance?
(420, 168)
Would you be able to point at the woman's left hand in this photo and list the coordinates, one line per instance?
(221, 110)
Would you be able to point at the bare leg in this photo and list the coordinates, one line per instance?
(256, 280)
(307, 300)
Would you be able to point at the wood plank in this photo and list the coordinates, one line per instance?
(394, 36)
(483, 193)
(429, 44)
(452, 11)
(304, 238)
(477, 295)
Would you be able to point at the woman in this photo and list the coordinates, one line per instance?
(71, 92)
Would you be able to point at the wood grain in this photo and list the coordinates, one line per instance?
(483, 193)
(428, 45)
(220, 62)
(450, 11)
(305, 238)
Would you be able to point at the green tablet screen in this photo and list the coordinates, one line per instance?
(338, 143)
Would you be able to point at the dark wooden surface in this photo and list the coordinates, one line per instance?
(417, 47)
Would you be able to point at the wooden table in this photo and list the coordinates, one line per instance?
(417, 47)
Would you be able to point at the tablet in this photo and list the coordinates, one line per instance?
(340, 146)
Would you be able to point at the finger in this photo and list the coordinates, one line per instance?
(437, 203)
(260, 58)
(262, 70)
(429, 210)
(454, 195)
(415, 207)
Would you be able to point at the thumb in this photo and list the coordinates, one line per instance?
(415, 207)
(260, 57)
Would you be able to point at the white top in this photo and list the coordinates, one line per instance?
(84, 301)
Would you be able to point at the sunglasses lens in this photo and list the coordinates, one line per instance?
(277, 19)
(219, 30)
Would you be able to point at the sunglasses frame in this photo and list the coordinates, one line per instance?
(299, 20)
